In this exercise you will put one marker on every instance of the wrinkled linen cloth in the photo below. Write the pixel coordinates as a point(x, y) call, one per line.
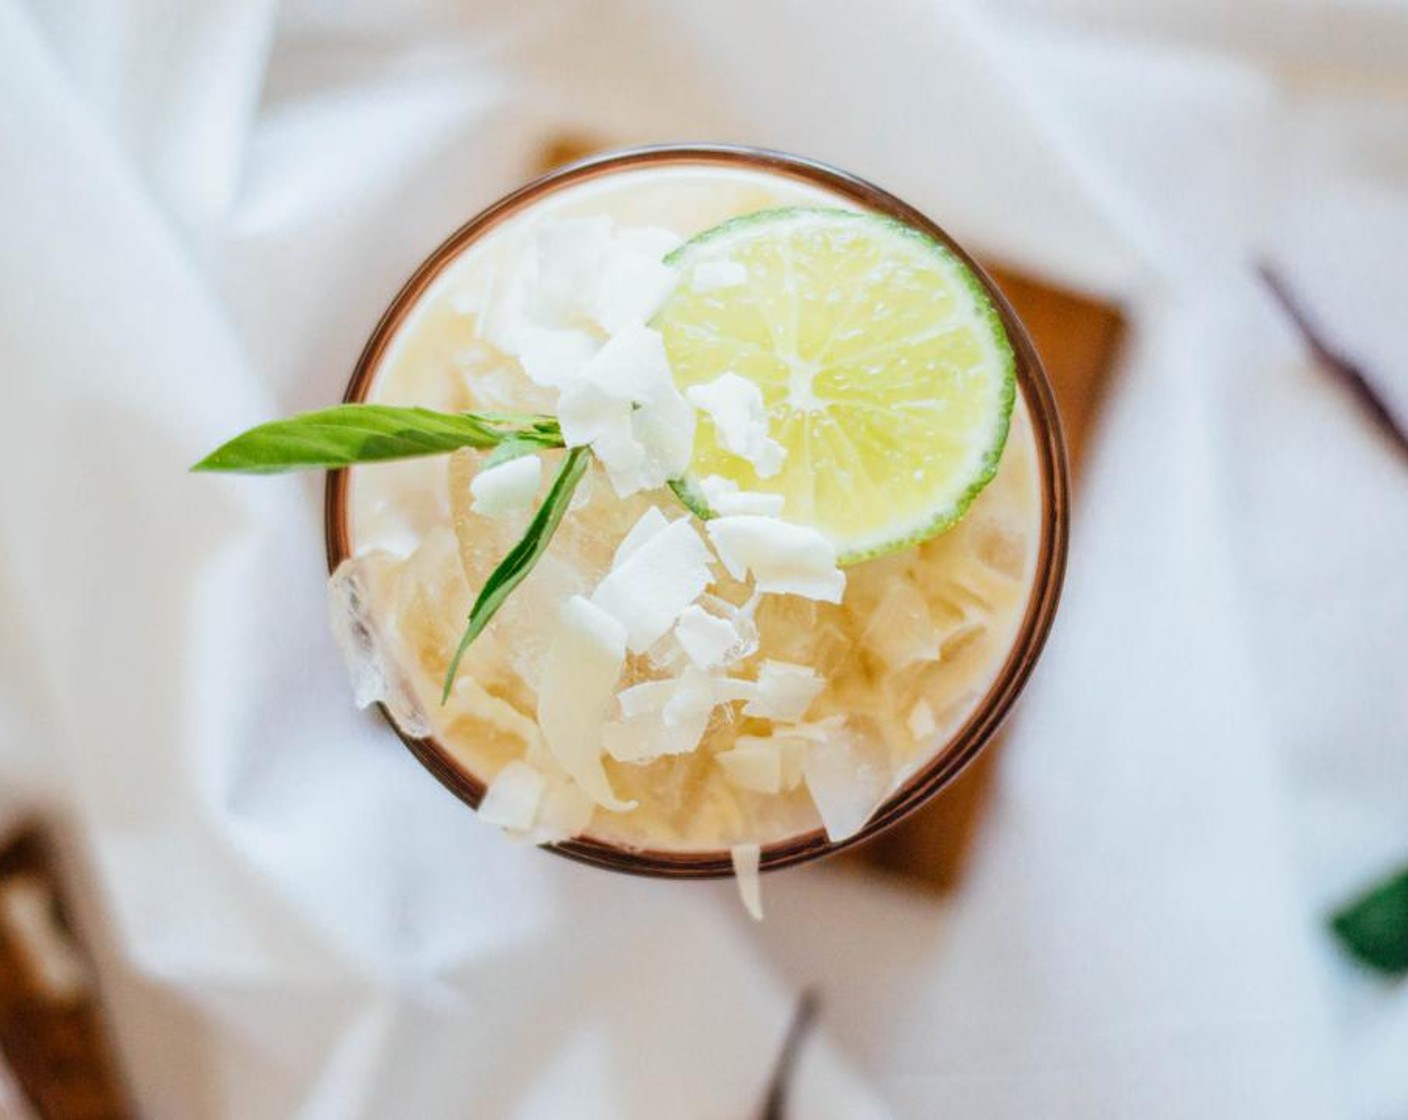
point(203, 209)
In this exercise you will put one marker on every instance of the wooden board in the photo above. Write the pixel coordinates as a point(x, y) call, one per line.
point(51, 1030)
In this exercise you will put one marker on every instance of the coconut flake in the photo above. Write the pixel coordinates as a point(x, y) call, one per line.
point(505, 305)
point(847, 780)
point(512, 799)
point(752, 763)
point(650, 523)
point(735, 405)
point(785, 559)
point(589, 417)
point(565, 811)
point(706, 639)
point(792, 754)
point(648, 737)
point(631, 366)
point(921, 721)
point(469, 288)
point(785, 691)
point(669, 717)
point(724, 498)
point(711, 276)
point(541, 283)
point(656, 581)
point(624, 404)
point(569, 256)
point(507, 487)
point(634, 279)
point(576, 690)
point(695, 696)
point(554, 357)
point(746, 861)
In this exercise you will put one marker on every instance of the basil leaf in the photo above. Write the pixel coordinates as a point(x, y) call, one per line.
point(514, 567)
point(1374, 927)
point(369, 433)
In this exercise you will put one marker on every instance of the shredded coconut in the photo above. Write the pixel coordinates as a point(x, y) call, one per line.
point(651, 522)
point(753, 764)
point(746, 861)
point(507, 487)
point(575, 694)
point(711, 276)
point(785, 691)
point(634, 280)
point(724, 498)
point(625, 406)
point(735, 405)
point(565, 812)
point(512, 799)
point(921, 721)
point(706, 639)
point(554, 357)
point(655, 582)
point(784, 558)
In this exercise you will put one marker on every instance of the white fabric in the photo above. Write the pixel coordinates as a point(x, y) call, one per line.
point(202, 212)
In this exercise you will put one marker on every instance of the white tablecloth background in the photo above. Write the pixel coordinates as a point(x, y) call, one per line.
point(203, 208)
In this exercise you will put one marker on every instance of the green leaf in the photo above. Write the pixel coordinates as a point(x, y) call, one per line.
point(514, 567)
point(510, 449)
point(1374, 927)
point(369, 433)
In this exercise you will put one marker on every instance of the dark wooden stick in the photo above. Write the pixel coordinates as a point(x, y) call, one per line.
point(775, 1103)
point(1334, 363)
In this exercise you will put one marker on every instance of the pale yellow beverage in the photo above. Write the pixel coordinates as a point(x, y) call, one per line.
point(913, 646)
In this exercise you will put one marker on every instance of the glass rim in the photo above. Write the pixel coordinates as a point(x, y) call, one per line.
point(986, 716)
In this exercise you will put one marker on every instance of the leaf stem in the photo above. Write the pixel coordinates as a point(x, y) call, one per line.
point(513, 569)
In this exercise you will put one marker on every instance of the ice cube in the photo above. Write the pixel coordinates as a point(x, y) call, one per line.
point(901, 630)
point(848, 776)
point(357, 603)
point(1000, 544)
point(483, 541)
point(524, 625)
point(921, 721)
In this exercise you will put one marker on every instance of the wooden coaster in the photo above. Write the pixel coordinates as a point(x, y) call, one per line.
point(51, 1032)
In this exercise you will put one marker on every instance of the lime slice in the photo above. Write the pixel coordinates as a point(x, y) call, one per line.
point(883, 366)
